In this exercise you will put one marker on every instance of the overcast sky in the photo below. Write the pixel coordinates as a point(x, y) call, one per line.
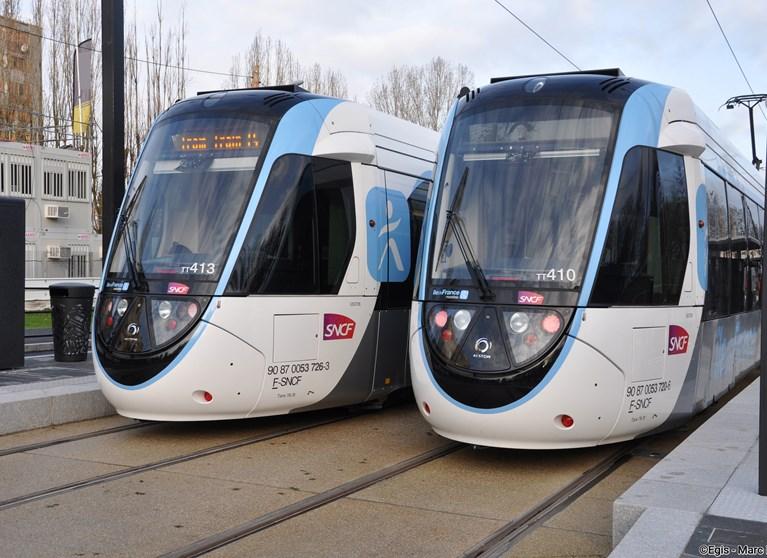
point(675, 42)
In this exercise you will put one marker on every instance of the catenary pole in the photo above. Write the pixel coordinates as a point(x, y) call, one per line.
point(113, 71)
point(750, 102)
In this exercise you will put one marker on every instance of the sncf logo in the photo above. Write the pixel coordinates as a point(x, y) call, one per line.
point(529, 297)
point(178, 288)
point(337, 326)
point(678, 340)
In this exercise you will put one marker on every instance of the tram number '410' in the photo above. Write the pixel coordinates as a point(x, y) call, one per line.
point(203, 268)
point(557, 275)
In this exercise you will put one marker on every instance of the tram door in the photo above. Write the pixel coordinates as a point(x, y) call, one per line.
point(400, 214)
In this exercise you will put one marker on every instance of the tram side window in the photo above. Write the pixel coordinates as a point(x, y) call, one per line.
point(718, 281)
point(302, 234)
point(335, 220)
point(739, 280)
point(648, 240)
point(755, 235)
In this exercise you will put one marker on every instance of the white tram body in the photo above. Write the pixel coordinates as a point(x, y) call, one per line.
point(591, 264)
point(263, 259)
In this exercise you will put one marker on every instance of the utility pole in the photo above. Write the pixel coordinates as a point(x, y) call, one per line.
point(113, 75)
point(750, 102)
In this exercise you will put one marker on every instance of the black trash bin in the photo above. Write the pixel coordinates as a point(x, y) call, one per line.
point(71, 306)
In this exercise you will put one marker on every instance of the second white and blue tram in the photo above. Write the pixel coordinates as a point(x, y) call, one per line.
point(591, 263)
point(263, 259)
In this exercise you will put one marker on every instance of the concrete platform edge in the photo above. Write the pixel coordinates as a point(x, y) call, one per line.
point(659, 513)
point(41, 404)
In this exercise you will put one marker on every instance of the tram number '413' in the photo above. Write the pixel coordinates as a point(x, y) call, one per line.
point(203, 268)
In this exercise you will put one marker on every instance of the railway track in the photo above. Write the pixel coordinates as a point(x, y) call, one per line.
point(74, 438)
point(301, 507)
point(495, 545)
point(130, 471)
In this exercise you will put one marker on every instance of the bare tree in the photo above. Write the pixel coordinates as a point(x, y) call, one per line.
point(11, 9)
point(272, 62)
point(154, 82)
point(421, 94)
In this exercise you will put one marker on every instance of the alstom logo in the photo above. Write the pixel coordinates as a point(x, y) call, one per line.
point(337, 326)
point(678, 340)
point(178, 288)
point(529, 297)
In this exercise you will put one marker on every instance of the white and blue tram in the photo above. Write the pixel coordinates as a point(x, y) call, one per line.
point(590, 264)
point(263, 259)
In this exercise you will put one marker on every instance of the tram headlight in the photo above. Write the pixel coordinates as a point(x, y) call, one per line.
point(171, 318)
point(446, 327)
point(461, 319)
point(532, 332)
point(122, 306)
point(519, 322)
point(164, 309)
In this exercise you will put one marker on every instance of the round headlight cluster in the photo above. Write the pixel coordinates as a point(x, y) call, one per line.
point(122, 307)
point(164, 309)
point(519, 322)
point(462, 319)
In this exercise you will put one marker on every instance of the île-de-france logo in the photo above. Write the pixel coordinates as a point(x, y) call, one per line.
point(337, 326)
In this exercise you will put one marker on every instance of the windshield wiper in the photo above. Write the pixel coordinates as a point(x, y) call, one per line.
point(134, 266)
point(464, 244)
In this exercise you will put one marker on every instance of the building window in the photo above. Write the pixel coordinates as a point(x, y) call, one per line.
point(53, 184)
point(78, 261)
point(78, 185)
point(21, 178)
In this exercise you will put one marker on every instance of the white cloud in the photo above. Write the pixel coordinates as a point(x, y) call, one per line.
point(677, 43)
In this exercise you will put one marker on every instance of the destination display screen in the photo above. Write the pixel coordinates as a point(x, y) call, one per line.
point(213, 141)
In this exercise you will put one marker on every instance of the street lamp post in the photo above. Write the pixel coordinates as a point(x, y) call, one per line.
point(750, 102)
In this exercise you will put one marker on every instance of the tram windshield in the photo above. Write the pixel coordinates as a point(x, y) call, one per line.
point(525, 183)
point(186, 200)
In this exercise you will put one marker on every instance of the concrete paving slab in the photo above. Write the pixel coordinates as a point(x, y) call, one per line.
point(144, 515)
point(322, 458)
point(61, 431)
point(546, 542)
point(738, 437)
point(365, 529)
point(658, 533)
point(672, 495)
point(489, 483)
point(699, 466)
point(585, 515)
point(740, 499)
point(169, 439)
point(23, 473)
